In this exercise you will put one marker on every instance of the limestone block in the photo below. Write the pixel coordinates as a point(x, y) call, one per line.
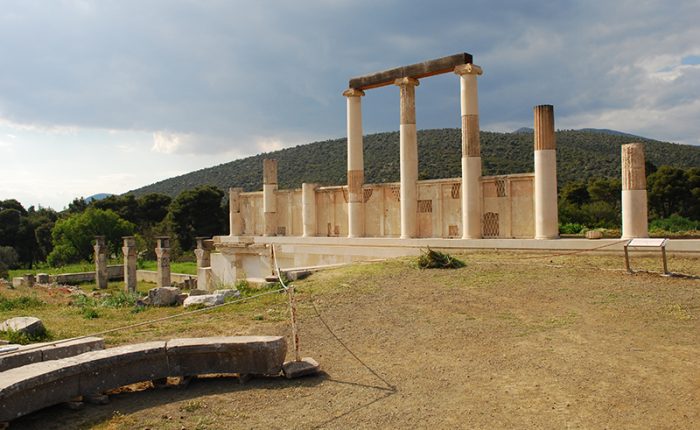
point(17, 281)
point(257, 355)
point(295, 369)
point(163, 296)
point(31, 326)
point(198, 292)
point(42, 278)
point(594, 234)
point(38, 352)
point(228, 293)
point(204, 300)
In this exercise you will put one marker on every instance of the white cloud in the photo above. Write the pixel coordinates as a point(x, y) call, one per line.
point(168, 143)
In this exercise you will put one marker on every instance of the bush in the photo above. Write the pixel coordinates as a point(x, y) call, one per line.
point(22, 338)
point(438, 260)
point(674, 224)
point(21, 302)
point(571, 228)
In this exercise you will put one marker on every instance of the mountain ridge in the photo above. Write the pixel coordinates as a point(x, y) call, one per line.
point(582, 154)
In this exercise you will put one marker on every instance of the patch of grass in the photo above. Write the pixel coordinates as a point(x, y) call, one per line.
point(192, 406)
point(678, 312)
point(22, 338)
point(432, 259)
point(21, 302)
point(186, 267)
point(90, 313)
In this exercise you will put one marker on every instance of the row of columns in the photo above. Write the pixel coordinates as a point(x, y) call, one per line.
point(129, 251)
point(545, 161)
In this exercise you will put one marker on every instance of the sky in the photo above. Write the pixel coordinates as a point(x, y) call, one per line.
point(108, 96)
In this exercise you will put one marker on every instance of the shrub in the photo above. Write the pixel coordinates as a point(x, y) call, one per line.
point(432, 259)
point(21, 302)
point(674, 224)
point(571, 228)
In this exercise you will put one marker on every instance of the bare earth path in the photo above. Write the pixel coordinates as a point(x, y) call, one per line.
point(510, 341)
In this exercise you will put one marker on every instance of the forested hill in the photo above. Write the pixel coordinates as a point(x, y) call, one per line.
point(581, 155)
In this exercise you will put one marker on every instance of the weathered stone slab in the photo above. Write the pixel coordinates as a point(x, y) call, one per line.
point(31, 326)
point(259, 355)
point(295, 369)
point(204, 300)
point(163, 296)
point(228, 293)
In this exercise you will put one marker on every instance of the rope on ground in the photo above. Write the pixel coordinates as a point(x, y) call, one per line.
point(290, 288)
point(153, 321)
point(580, 251)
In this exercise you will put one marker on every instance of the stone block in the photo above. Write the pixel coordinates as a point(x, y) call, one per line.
point(163, 296)
point(228, 293)
point(17, 281)
point(295, 369)
point(42, 278)
point(594, 234)
point(38, 352)
point(31, 326)
point(204, 300)
point(258, 355)
point(198, 292)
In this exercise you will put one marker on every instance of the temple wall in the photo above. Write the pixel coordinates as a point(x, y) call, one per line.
point(507, 209)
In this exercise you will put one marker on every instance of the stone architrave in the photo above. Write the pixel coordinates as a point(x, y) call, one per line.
point(471, 151)
point(163, 264)
point(270, 196)
point(308, 214)
point(129, 252)
point(408, 141)
point(235, 218)
point(100, 248)
point(356, 168)
point(634, 192)
point(546, 208)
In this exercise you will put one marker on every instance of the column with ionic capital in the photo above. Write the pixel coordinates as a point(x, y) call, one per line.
point(408, 142)
point(634, 192)
point(270, 196)
point(546, 208)
point(356, 166)
point(471, 151)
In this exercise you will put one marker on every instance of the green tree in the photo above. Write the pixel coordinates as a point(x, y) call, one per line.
point(197, 212)
point(8, 260)
point(153, 208)
point(669, 191)
point(125, 206)
point(575, 192)
point(73, 236)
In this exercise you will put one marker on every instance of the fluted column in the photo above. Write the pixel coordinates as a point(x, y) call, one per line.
point(270, 196)
point(129, 251)
point(471, 151)
point(234, 206)
point(356, 167)
point(308, 214)
point(546, 215)
point(408, 158)
point(100, 248)
point(634, 192)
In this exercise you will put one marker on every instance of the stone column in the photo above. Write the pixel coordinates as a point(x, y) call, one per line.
point(129, 251)
point(408, 158)
point(546, 209)
point(308, 214)
point(203, 254)
point(356, 167)
point(270, 196)
point(234, 205)
point(634, 192)
point(471, 151)
point(100, 248)
point(163, 255)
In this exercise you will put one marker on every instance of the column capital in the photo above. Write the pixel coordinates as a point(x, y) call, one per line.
point(468, 69)
point(406, 81)
point(353, 92)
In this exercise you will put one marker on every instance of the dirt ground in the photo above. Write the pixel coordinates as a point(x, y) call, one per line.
point(510, 341)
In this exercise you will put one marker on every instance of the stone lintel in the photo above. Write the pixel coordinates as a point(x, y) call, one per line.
point(417, 71)
point(406, 81)
point(468, 69)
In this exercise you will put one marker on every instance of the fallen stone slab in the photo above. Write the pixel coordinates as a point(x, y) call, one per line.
point(228, 293)
point(38, 352)
point(35, 386)
point(31, 326)
point(305, 367)
point(204, 300)
point(163, 296)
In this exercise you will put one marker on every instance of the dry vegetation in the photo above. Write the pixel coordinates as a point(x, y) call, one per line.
point(509, 341)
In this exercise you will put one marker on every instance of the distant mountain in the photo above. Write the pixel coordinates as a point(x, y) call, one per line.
point(99, 196)
point(608, 131)
point(580, 155)
point(524, 130)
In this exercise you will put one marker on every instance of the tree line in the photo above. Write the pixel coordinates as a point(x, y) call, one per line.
point(41, 235)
